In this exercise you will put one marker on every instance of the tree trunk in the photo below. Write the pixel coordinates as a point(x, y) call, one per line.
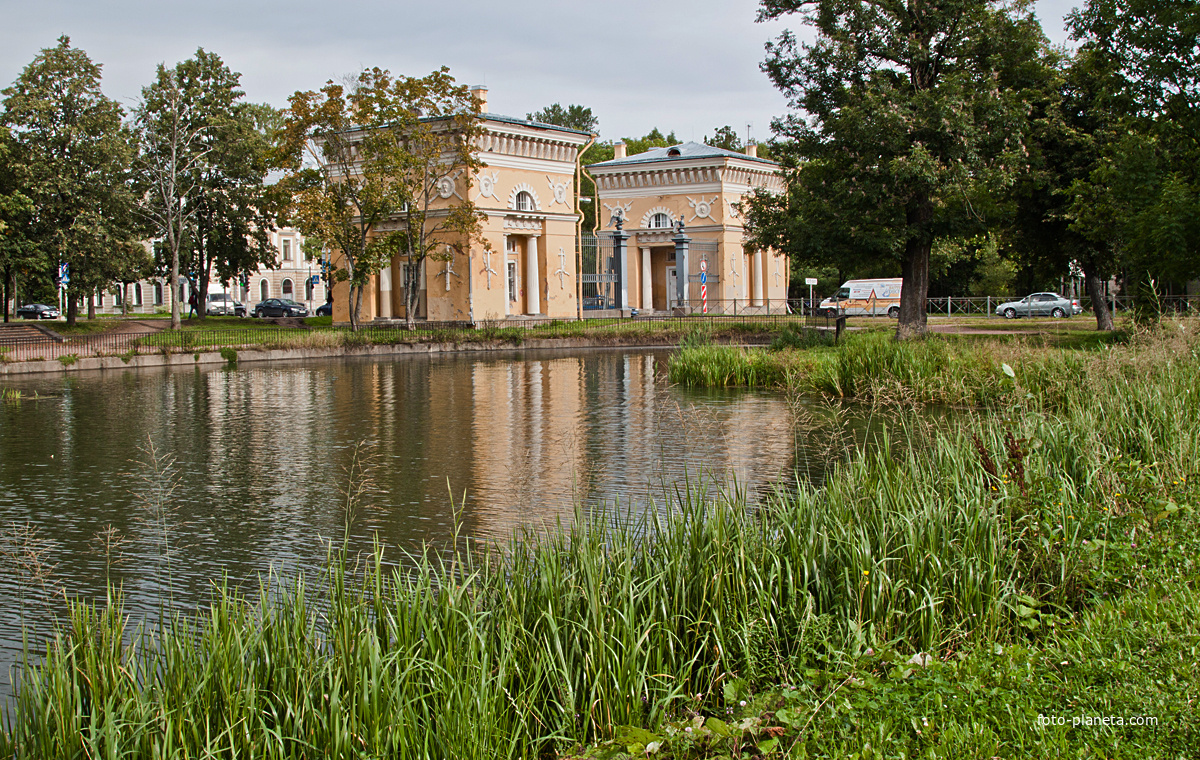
point(176, 322)
point(1095, 289)
point(7, 280)
point(915, 271)
point(411, 295)
point(355, 305)
point(72, 308)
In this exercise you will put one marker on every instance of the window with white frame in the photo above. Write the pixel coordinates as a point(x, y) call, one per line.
point(512, 281)
point(524, 201)
point(660, 221)
point(137, 294)
point(287, 249)
point(287, 288)
point(158, 294)
point(264, 290)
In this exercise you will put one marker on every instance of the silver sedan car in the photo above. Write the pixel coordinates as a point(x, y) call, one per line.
point(1039, 305)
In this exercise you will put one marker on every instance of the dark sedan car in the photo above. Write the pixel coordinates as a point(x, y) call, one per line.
point(37, 311)
point(325, 309)
point(280, 307)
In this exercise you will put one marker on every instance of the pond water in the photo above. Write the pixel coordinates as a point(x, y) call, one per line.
point(252, 464)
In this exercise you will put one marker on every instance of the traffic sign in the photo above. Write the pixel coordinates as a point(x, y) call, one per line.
point(810, 280)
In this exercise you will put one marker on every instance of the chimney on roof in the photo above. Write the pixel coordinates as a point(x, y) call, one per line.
point(752, 150)
point(480, 93)
point(618, 150)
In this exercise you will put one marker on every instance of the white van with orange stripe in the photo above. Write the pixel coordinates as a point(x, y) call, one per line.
point(865, 297)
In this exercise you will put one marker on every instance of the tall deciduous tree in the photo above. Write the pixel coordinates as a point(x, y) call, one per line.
point(20, 259)
point(1133, 100)
point(910, 119)
point(172, 151)
point(571, 117)
point(75, 158)
point(206, 155)
point(388, 149)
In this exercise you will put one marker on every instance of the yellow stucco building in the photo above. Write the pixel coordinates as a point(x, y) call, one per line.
point(701, 186)
point(526, 189)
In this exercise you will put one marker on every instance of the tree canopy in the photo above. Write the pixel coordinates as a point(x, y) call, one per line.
point(386, 149)
point(73, 156)
point(909, 119)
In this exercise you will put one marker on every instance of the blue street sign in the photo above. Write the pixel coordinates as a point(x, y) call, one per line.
point(64, 273)
point(315, 279)
point(703, 277)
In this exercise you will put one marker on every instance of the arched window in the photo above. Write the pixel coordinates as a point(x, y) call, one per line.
point(137, 294)
point(308, 289)
point(660, 221)
point(118, 296)
point(158, 294)
point(524, 201)
point(264, 290)
point(287, 288)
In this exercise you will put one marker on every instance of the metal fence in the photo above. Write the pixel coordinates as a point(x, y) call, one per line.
point(597, 279)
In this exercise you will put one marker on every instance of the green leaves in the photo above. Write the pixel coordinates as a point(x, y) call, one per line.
point(913, 125)
point(375, 152)
point(73, 156)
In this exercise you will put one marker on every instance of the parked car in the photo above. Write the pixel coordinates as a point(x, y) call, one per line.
point(37, 311)
point(325, 309)
point(221, 304)
point(1039, 305)
point(280, 307)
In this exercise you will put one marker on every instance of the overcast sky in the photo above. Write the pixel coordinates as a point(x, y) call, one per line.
point(683, 65)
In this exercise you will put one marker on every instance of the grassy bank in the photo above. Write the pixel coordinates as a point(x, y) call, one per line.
point(963, 370)
point(937, 595)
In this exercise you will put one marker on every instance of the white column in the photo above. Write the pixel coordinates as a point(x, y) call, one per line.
point(756, 297)
point(533, 284)
point(647, 292)
point(385, 292)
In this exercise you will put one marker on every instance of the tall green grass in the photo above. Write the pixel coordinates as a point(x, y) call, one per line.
point(873, 366)
point(987, 529)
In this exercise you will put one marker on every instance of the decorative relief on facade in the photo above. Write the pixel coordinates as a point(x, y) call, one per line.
point(516, 201)
point(778, 273)
point(649, 218)
point(735, 209)
point(560, 190)
point(519, 223)
point(487, 267)
point(487, 185)
point(702, 209)
point(448, 185)
point(449, 270)
point(562, 268)
point(618, 211)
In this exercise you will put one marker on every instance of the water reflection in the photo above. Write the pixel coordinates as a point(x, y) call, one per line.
point(253, 463)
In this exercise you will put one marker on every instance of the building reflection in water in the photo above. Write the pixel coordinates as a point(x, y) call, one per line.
point(494, 442)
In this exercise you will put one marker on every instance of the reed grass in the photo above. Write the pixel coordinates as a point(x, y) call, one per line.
point(989, 529)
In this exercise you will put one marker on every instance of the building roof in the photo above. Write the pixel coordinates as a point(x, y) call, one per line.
point(682, 151)
point(528, 123)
